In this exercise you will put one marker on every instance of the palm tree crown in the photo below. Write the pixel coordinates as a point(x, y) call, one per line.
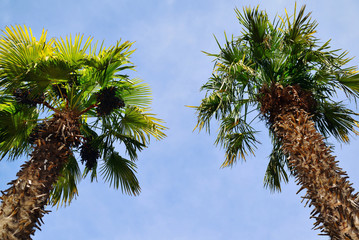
point(281, 53)
point(75, 78)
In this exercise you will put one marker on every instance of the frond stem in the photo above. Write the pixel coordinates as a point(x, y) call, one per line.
point(88, 108)
point(49, 106)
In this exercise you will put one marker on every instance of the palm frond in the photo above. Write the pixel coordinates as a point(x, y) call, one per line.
point(136, 93)
point(333, 118)
point(16, 123)
point(349, 83)
point(19, 54)
point(140, 124)
point(237, 138)
point(107, 64)
point(255, 24)
point(277, 168)
point(300, 27)
point(72, 49)
point(65, 189)
point(120, 172)
point(209, 107)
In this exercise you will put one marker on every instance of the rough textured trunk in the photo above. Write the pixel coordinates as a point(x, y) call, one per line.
point(336, 209)
point(23, 204)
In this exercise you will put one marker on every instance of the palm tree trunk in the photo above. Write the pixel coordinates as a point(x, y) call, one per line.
point(336, 208)
point(23, 204)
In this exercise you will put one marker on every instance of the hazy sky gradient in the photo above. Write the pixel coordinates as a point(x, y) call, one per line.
point(185, 195)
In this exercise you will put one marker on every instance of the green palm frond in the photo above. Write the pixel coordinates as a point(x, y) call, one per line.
point(65, 189)
point(112, 133)
point(108, 63)
point(255, 24)
point(349, 82)
point(333, 118)
point(277, 168)
point(299, 28)
point(120, 172)
point(92, 172)
point(16, 123)
point(140, 124)
point(237, 138)
point(209, 107)
point(136, 93)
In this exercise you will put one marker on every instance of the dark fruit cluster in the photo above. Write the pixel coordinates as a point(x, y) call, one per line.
point(89, 154)
point(25, 96)
point(108, 101)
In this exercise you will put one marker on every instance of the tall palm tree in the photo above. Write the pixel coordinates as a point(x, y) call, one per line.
point(64, 100)
point(280, 73)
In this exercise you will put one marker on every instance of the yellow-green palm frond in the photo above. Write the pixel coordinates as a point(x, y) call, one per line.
point(141, 125)
point(72, 50)
point(136, 93)
point(20, 53)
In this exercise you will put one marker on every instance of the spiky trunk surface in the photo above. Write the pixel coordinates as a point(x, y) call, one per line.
point(336, 208)
point(23, 204)
point(315, 169)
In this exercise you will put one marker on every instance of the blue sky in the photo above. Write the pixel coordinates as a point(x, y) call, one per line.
point(185, 195)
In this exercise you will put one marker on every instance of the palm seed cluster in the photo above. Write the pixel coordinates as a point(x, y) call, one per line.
point(89, 154)
point(108, 101)
point(28, 97)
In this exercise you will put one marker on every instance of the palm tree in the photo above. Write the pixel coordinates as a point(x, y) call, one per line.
point(280, 73)
point(63, 100)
